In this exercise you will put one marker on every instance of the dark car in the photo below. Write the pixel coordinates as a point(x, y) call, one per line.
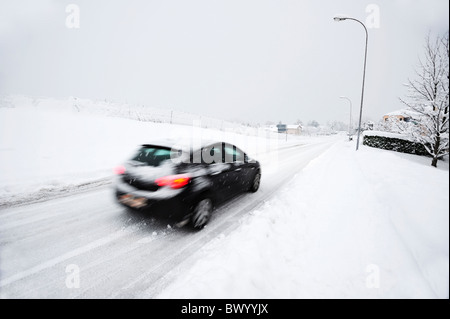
point(183, 181)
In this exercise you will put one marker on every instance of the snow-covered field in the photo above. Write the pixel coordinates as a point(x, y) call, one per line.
point(366, 224)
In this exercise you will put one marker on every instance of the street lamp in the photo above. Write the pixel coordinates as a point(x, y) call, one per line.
point(341, 18)
point(350, 120)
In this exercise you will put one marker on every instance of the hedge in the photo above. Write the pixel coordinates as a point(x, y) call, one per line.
point(395, 144)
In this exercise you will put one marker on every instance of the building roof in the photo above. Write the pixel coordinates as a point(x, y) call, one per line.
point(404, 113)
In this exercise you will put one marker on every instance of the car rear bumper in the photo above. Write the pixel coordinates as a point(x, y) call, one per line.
point(167, 202)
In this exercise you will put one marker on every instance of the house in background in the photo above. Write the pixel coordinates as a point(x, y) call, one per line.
point(403, 115)
point(295, 129)
point(401, 120)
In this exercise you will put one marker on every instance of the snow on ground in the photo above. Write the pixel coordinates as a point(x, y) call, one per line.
point(366, 224)
point(50, 146)
point(363, 224)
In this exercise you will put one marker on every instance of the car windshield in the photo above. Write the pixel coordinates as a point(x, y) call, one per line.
point(154, 155)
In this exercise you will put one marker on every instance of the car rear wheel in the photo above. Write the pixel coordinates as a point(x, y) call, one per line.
point(202, 213)
point(254, 186)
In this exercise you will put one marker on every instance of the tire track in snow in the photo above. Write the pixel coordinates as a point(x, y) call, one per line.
point(71, 254)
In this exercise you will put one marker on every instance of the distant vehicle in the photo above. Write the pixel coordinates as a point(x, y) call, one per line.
point(186, 182)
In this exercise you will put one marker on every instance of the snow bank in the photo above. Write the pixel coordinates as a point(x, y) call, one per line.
point(366, 224)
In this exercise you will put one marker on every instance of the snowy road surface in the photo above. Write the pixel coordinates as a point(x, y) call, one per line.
point(87, 246)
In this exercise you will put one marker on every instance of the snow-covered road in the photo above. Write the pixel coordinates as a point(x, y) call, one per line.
point(46, 247)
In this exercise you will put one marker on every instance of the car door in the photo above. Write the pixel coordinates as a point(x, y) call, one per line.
point(238, 175)
point(218, 171)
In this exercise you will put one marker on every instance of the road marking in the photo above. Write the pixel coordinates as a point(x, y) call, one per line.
point(52, 262)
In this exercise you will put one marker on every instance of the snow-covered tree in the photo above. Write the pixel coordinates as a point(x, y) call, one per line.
point(398, 125)
point(313, 123)
point(428, 96)
point(338, 126)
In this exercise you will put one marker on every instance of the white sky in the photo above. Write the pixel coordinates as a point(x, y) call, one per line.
point(253, 60)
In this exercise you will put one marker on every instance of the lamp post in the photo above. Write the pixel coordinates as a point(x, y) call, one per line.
point(337, 19)
point(350, 120)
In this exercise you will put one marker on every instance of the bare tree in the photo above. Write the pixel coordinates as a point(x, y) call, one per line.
point(428, 96)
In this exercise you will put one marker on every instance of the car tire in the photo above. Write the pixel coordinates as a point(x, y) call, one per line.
point(202, 213)
point(256, 181)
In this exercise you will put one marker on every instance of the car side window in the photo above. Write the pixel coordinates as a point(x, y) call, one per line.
point(239, 155)
point(233, 154)
point(229, 153)
point(212, 154)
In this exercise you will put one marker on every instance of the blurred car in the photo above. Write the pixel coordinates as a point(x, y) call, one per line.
point(185, 182)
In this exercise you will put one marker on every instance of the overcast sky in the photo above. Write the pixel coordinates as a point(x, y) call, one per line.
point(253, 60)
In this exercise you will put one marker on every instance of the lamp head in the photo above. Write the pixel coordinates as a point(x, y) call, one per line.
point(339, 18)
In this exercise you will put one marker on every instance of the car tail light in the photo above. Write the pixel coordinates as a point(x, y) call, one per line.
point(174, 181)
point(119, 170)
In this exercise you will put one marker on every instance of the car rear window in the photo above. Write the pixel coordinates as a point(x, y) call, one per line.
point(154, 156)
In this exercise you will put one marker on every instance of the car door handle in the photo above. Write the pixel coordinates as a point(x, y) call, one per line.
point(238, 169)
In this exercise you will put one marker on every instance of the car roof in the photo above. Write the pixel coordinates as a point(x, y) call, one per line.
point(183, 143)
